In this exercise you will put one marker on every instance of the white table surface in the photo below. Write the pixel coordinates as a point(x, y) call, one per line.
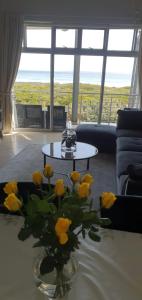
point(108, 270)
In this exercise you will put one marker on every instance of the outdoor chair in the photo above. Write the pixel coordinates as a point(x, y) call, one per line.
point(59, 117)
point(29, 116)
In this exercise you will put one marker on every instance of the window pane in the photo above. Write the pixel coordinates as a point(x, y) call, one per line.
point(117, 86)
point(92, 39)
point(90, 84)
point(32, 84)
point(63, 82)
point(39, 37)
point(119, 71)
point(120, 39)
point(65, 38)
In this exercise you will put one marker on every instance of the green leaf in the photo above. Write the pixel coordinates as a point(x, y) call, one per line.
point(93, 236)
point(105, 221)
point(90, 218)
point(47, 265)
point(43, 206)
point(31, 207)
point(24, 233)
point(38, 244)
point(83, 233)
point(73, 212)
point(38, 226)
point(94, 229)
point(35, 197)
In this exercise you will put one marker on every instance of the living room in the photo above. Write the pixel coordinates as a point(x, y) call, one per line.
point(109, 269)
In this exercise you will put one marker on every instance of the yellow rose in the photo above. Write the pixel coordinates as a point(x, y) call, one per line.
point(59, 188)
point(37, 178)
point(48, 171)
point(83, 190)
point(63, 238)
point(11, 187)
point(62, 225)
point(12, 203)
point(87, 178)
point(107, 199)
point(75, 176)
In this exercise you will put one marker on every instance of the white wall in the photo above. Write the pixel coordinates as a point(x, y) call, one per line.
point(81, 11)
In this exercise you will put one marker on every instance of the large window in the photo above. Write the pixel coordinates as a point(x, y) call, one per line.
point(63, 82)
point(117, 86)
point(90, 88)
point(86, 71)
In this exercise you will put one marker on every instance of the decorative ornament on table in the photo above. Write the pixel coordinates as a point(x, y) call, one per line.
point(68, 143)
point(57, 217)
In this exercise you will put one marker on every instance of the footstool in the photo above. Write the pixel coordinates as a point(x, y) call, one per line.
point(101, 136)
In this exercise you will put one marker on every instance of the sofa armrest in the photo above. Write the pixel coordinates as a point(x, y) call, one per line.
point(129, 119)
point(125, 214)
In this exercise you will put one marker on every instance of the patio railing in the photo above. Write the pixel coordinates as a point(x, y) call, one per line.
point(88, 104)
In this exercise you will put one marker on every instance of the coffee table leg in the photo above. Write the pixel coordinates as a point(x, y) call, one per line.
point(73, 164)
point(44, 160)
point(88, 161)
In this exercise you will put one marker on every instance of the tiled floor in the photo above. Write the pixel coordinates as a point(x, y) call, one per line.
point(12, 144)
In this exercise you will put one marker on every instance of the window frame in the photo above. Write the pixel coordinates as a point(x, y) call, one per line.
point(77, 51)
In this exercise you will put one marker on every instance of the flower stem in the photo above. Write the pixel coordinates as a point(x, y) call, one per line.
point(62, 285)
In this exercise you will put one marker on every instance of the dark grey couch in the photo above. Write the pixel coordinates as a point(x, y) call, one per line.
point(128, 147)
point(126, 213)
point(126, 141)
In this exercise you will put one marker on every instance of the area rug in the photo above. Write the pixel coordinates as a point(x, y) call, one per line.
point(21, 167)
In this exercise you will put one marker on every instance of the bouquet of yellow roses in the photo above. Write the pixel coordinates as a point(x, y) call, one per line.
point(56, 215)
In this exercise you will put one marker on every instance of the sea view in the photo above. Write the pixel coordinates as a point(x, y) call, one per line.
point(112, 79)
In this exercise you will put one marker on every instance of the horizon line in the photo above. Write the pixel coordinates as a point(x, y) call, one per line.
point(72, 72)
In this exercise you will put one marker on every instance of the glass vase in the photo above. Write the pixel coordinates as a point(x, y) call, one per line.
point(57, 283)
point(69, 138)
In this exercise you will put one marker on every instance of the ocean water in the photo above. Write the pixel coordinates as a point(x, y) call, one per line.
point(112, 79)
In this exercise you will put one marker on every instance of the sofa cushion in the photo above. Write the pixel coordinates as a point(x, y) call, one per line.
point(125, 158)
point(129, 119)
point(128, 133)
point(129, 144)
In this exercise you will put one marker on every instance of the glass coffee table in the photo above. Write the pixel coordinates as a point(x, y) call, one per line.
point(83, 152)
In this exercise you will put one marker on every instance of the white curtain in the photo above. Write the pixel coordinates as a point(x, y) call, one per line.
point(11, 33)
point(140, 72)
point(135, 98)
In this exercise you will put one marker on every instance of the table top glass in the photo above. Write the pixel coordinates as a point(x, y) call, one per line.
point(83, 151)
